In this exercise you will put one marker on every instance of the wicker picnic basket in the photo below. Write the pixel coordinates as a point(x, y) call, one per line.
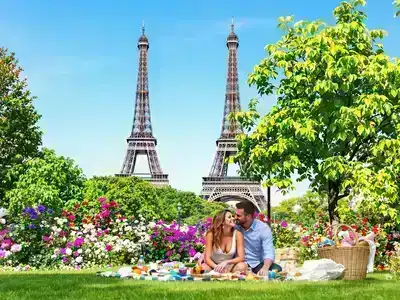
point(354, 259)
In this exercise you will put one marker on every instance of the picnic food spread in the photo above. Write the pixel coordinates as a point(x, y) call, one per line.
point(176, 271)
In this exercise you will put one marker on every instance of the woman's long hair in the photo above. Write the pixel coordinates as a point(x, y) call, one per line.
point(216, 227)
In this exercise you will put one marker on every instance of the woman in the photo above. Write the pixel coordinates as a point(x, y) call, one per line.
point(224, 245)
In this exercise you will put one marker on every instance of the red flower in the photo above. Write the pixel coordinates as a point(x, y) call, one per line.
point(345, 228)
point(76, 206)
point(365, 220)
point(84, 203)
point(71, 218)
point(113, 204)
point(375, 229)
point(108, 247)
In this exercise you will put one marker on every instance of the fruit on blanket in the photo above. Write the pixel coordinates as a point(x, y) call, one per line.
point(137, 271)
point(196, 270)
point(250, 276)
point(190, 265)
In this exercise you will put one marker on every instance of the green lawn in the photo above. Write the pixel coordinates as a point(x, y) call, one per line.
point(82, 285)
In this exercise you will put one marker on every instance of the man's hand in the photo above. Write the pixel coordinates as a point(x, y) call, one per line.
point(263, 271)
point(221, 267)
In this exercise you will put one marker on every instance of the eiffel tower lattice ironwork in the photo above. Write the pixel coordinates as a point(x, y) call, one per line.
point(141, 141)
point(218, 186)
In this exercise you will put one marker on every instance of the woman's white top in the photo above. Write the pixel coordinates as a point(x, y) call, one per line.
point(219, 256)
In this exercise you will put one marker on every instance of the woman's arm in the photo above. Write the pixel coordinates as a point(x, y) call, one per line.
point(239, 249)
point(209, 246)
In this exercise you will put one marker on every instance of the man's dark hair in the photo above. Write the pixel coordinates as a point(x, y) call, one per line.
point(247, 206)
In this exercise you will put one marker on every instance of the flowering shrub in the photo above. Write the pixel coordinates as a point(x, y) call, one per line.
point(394, 261)
point(284, 235)
point(8, 247)
point(75, 239)
point(173, 242)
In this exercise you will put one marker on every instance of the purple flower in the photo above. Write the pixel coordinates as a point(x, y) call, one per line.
point(169, 253)
point(31, 226)
point(50, 211)
point(29, 210)
point(41, 208)
point(69, 245)
point(65, 260)
point(284, 224)
point(2, 253)
point(46, 238)
point(62, 251)
point(78, 242)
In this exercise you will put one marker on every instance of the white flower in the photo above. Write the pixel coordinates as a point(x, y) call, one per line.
point(79, 259)
point(80, 251)
point(2, 221)
point(3, 212)
point(68, 251)
point(16, 248)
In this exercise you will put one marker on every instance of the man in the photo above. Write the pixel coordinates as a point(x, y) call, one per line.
point(258, 242)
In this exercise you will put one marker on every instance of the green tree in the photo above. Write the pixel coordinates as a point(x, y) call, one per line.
point(136, 196)
point(304, 209)
point(49, 179)
point(20, 136)
point(336, 121)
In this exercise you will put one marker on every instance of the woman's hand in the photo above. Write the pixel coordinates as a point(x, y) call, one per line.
point(221, 267)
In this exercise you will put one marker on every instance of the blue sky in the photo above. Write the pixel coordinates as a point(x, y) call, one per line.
point(80, 58)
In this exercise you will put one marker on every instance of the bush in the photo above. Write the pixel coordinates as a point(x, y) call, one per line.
point(172, 242)
point(49, 180)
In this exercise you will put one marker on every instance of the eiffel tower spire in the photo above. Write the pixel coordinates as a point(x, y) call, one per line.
point(230, 128)
point(141, 140)
point(218, 186)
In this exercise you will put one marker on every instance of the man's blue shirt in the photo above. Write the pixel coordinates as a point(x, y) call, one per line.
point(258, 243)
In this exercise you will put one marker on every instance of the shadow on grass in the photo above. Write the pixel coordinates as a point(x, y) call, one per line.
point(88, 286)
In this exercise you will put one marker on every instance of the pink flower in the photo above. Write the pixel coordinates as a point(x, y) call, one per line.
point(46, 238)
point(78, 242)
point(192, 252)
point(105, 214)
point(284, 224)
point(108, 248)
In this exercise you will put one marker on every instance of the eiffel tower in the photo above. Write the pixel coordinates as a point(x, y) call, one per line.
point(141, 141)
point(218, 186)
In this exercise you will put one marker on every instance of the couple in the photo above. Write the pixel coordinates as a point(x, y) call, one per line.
point(231, 247)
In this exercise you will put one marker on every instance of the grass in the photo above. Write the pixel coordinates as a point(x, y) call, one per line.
point(84, 285)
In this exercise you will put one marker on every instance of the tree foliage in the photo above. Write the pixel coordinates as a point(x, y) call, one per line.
point(336, 121)
point(48, 179)
point(20, 136)
point(396, 4)
point(137, 196)
point(304, 209)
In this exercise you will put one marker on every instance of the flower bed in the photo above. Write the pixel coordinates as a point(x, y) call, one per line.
point(85, 237)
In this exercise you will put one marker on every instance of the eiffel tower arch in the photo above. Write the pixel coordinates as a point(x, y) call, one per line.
point(218, 186)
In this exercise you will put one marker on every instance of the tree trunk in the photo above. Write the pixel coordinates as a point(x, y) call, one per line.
point(333, 193)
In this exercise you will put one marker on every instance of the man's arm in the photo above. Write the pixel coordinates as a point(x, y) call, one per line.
point(268, 250)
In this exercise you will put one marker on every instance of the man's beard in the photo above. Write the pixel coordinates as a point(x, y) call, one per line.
point(239, 223)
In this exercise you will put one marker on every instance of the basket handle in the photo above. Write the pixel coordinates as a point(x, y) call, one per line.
point(335, 231)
